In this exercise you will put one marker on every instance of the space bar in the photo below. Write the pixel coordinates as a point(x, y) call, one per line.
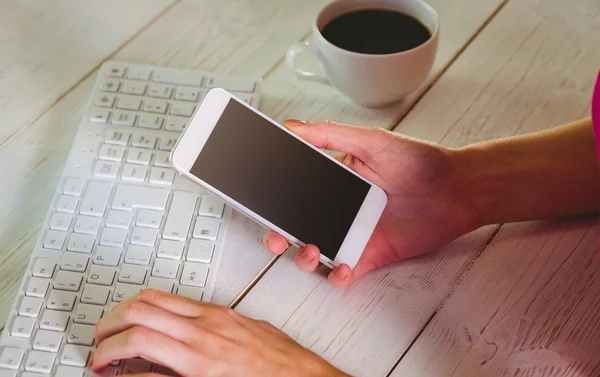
point(129, 197)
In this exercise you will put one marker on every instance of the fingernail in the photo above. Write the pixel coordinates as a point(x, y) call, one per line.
point(340, 274)
point(305, 255)
point(293, 123)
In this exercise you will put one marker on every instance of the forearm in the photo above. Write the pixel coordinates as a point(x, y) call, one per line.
point(553, 173)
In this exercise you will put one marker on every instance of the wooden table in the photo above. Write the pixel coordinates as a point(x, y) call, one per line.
point(505, 300)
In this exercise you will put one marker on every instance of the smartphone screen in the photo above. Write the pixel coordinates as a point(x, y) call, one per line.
point(278, 177)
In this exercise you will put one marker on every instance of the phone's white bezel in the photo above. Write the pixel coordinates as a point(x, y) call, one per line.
point(196, 134)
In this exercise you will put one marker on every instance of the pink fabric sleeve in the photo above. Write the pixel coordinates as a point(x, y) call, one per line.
point(596, 113)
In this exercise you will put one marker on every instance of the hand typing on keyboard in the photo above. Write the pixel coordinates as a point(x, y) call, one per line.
point(200, 339)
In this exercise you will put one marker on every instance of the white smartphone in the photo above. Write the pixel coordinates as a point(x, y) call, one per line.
point(273, 176)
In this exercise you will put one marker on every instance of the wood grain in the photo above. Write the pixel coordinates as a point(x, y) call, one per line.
point(529, 306)
point(47, 47)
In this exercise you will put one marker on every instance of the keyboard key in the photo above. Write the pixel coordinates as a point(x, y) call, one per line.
point(162, 176)
point(134, 173)
point(160, 91)
point(136, 366)
point(129, 103)
point(211, 206)
point(175, 77)
point(132, 274)
point(61, 300)
point(11, 357)
point(9, 373)
point(194, 274)
point(139, 255)
point(30, 307)
point(95, 294)
point(69, 371)
point(167, 143)
point(74, 262)
point(37, 287)
point(101, 275)
point(77, 356)
point(54, 320)
point(180, 216)
point(60, 221)
point(81, 243)
point(151, 121)
point(206, 228)
point(149, 219)
point(123, 118)
point(130, 197)
point(113, 237)
point(139, 156)
point(143, 236)
point(87, 225)
point(113, 69)
point(162, 159)
point(200, 251)
point(170, 249)
point(40, 362)
point(191, 292)
point(176, 124)
point(47, 341)
point(161, 284)
point(165, 268)
point(22, 327)
point(43, 268)
point(66, 204)
point(88, 314)
point(133, 87)
point(234, 84)
point(107, 256)
point(68, 281)
point(104, 100)
point(118, 219)
point(144, 141)
point(99, 115)
point(182, 109)
point(155, 106)
point(107, 372)
point(81, 334)
point(138, 73)
point(111, 152)
point(73, 186)
point(117, 137)
point(124, 291)
point(95, 199)
point(106, 169)
point(54, 240)
point(183, 93)
point(109, 85)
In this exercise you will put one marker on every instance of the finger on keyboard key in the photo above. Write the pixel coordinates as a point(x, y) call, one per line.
point(134, 173)
point(54, 320)
point(206, 228)
point(162, 176)
point(75, 262)
point(117, 137)
point(99, 115)
point(157, 106)
point(143, 236)
point(61, 300)
point(139, 255)
point(118, 219)
point(182, 109)
point(95, 294)
point(151, 121)
point(110, 152)
point(69, 371)
point(73, 186)
point(123, 118)
point(22, 327)
point(165, 268)
point(133, 87)
point(37, 287)
point(180, 216)
point(113, 237)
point(160, 91)
point(54, 240)
point(149, 219)
point(161, 284)
point(81, 243)
point(200, 251)
point(144, 141)
point(124, 291)
point(43, 268)
point(61, 221)
point(75, 355)
point(101, 275)
point(68, 281)
point(104, 100)
point(88, 314)
point(162, 159)
point(48, 341)
point(130, 197)
point(176, 123)
point(170, 249)
point(11, 357)
point(191, 292)
point(211, 206)
point(194, 274)
point(66, 204)
point(81, 334)
point(136, 366)
point(87, 225)
point(95, 199)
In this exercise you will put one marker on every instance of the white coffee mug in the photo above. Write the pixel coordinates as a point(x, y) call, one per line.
point(368, 79)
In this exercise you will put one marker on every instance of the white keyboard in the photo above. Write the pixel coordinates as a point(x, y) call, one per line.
point(121, 220)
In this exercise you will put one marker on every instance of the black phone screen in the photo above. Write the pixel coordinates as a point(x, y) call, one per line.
point(278, 177)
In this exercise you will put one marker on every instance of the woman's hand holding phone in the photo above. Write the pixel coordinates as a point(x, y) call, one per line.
point(428, 199)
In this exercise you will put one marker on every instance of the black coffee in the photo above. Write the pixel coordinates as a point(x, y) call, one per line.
point(376, 31)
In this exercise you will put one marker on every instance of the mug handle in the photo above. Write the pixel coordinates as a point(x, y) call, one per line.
point(296, 49)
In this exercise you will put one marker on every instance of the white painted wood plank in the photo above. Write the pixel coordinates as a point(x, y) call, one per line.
point(47, 47)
